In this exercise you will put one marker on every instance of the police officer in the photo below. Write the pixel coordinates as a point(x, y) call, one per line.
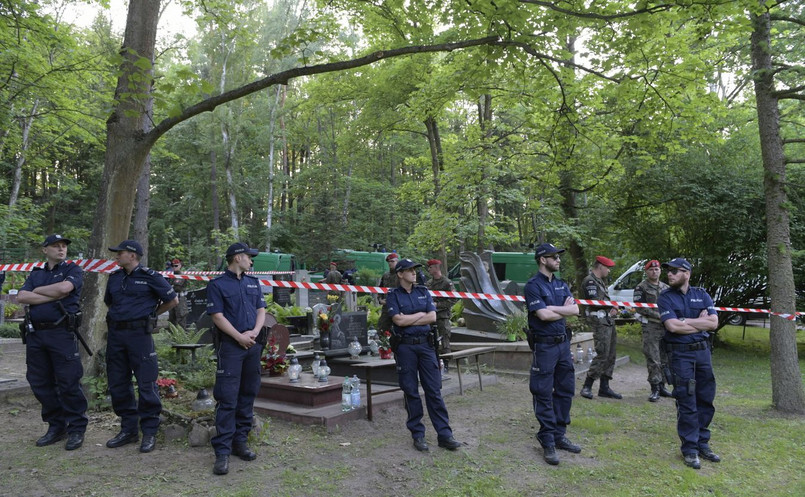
point(235, 304)
point(54, 365)
point(412, 311)
point(178, 315)
point(647, 292)
point(444, 305)
point(605, 338)
point(388, 280)
point(687, 312)
point(135, 295)
point(552, 381)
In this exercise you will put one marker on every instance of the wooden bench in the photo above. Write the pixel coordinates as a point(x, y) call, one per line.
point(368, 367)
point(460, 354)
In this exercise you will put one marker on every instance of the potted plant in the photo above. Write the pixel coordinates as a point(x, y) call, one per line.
point(385, 346)
point(514, 326)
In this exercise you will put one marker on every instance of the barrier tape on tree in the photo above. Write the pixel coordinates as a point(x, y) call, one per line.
point(107, 266)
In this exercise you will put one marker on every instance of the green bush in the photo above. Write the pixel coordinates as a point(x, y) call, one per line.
point(634, 330)
point(10, 330)
point(10, 309)
point(366, 277)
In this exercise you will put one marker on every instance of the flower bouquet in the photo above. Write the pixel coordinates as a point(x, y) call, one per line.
point(383, 339)
point(273, 361)
point(167, 388)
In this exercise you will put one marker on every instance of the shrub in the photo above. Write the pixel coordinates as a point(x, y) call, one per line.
point(10, 330)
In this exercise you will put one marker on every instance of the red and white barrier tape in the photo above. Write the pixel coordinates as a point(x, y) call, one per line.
point(107, 266)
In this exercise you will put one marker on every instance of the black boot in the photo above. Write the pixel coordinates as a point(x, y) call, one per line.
point(663, 391)
point(605, 391)
point(587, 389)
point(655, 393)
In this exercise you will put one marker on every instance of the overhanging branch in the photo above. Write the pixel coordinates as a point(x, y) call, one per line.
point(283, 77)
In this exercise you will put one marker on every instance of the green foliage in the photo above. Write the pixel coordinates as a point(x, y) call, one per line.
point(457, 310)
point(9, 330)
point(97, 388)
point(367, 277)
point(514, 326)
point(179, 335)
point(10, 309)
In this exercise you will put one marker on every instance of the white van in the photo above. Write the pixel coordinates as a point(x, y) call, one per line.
point(622, 290)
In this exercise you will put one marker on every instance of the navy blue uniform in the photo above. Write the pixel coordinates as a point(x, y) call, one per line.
point(416, 362)
point(691, 366)
point(54, 364)
point(552, 381)
point(132, 299)
point(237, 380)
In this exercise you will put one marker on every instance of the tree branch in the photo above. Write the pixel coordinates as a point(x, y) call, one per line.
point(600, 17)
point(779, 17)
point(283, 77)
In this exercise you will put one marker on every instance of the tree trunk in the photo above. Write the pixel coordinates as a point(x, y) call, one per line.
point(126, 151)
point(270, 199)
point(786, 379)
point(25, 124)
point(142, 203)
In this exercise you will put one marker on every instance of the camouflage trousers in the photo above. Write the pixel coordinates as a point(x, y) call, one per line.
point(443, 328)
point(656, 358)
point(605, 339)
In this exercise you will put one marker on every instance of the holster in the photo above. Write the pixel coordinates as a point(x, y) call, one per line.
point(26, 327)
point(529, 337)
point(152, 322)
point(394, 342)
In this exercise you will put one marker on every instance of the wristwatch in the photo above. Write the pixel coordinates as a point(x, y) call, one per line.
point(682, 319)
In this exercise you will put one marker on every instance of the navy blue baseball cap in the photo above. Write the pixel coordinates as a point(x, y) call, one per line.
point(55, 238)
point(678, 263)
point(240, 248)
point(129, 246)
point(544, 249)
point(404, 264)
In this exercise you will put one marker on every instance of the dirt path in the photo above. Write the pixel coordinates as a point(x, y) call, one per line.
point(293, 460)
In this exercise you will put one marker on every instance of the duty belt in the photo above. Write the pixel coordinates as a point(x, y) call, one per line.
point(550, 339)
point(409, 340)
point(42, 325)
point(669, 347)
point(128, 325)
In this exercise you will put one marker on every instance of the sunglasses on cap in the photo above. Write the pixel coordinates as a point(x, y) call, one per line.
point(555, 257)
point(674, 270)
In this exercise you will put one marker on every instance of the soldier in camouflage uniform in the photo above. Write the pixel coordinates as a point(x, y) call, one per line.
point(601, 321)
point(647, 292)
point(444, 305)
point(388, 280)
point(178, 314)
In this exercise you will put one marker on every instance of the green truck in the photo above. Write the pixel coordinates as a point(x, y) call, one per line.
point(274, 261)
point(509, 266)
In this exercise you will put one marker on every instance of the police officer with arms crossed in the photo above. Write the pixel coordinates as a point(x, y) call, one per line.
point(687, 312)
point(412, 311)
point(235, 304)
point(647, 292)
point(135, 295)
point(552, 382)
point(54, 364)
point(605, 338)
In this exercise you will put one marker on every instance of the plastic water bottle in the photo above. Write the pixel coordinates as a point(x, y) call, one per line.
point(346, 394)
point(579, 354)
point(356, 392)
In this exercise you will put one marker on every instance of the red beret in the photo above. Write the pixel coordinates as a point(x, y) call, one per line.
point(333, 263)
point(392, 257)
point(652, 263)
point(604, 261)
point(176, 261)
point(434, 262)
